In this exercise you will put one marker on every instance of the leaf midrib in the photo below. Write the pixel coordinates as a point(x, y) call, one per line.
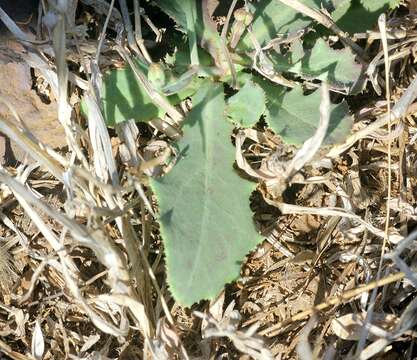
point(203, 227)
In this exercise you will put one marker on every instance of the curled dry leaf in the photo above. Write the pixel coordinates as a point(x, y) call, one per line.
point(349, 326)
point(7, 267)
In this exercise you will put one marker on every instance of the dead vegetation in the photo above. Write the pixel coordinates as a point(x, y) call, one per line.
point(82, 272)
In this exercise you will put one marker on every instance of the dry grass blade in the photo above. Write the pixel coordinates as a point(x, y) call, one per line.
point(325, 20)
point(38, 151)
point(58, 19)
point(294, 209)
point(404, 107)
point(105, 251)
point(370, 310)
point(303, 347)
point(245, 342)
point(156, 97)
point(104, 164)
point(312, 145)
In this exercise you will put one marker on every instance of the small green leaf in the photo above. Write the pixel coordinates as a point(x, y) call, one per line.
point(206, 222)
point(180, 59)
point(337, 67)
point(295, 116)
point(183, 87)
point(246, 107)
point(123, 98)
point(189, 15)
point(359, 15)
point(156, 76)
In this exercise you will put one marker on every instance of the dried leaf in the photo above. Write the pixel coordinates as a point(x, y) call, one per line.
point(38, 344)
point(349, 326)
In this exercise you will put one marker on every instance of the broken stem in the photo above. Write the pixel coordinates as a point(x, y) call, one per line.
point(325, 20)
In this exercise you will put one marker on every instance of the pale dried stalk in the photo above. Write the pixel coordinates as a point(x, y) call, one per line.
point(323, 19)
point(244, 341)
point(402, 108)
point(7, 350)
point(303, 155)
point(154, 95)
point(15, 30)
point(64, 108)
point(129, 30)
point(313, 144)
point(264, 66)
point(27, 200)
point(138, 11)
point(103, 32)
point(45, 156)
point(139, 270)
point(105, 251)
point(37, 150)
point(128, 132)
point(370, 310)
point(371, 71)
point(166, 128)
point(104, 163)
point(383, 30)
point(329, 211)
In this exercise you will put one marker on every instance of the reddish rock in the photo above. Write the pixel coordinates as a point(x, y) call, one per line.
point(40, 118)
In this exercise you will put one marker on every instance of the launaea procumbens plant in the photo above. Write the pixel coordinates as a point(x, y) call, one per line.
point(266, 64)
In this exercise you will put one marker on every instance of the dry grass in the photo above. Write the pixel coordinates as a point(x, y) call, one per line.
point(82, 272)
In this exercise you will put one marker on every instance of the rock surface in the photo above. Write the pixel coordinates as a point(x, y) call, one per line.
point(17, 88)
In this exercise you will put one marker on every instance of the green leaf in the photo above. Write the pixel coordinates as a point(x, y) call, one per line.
point(246, 107)
point(337, 67)
point(176, 10)
point(295, 117)
point(359, 15)
point(123, 98)
point(189, 15)
point(157, 76)
point(206, 222)
point(180, 58)
point(272, 18)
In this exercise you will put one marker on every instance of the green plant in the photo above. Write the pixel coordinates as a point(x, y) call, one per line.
point(206, 222)
point(205, 216)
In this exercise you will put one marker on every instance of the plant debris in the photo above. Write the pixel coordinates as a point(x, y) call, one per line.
point(119, 125)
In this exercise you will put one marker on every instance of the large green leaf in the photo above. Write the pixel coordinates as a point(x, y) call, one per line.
point(359, 15)
point(337, 67)
point(206, 222)
point(272, 18)
point(295, 117)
